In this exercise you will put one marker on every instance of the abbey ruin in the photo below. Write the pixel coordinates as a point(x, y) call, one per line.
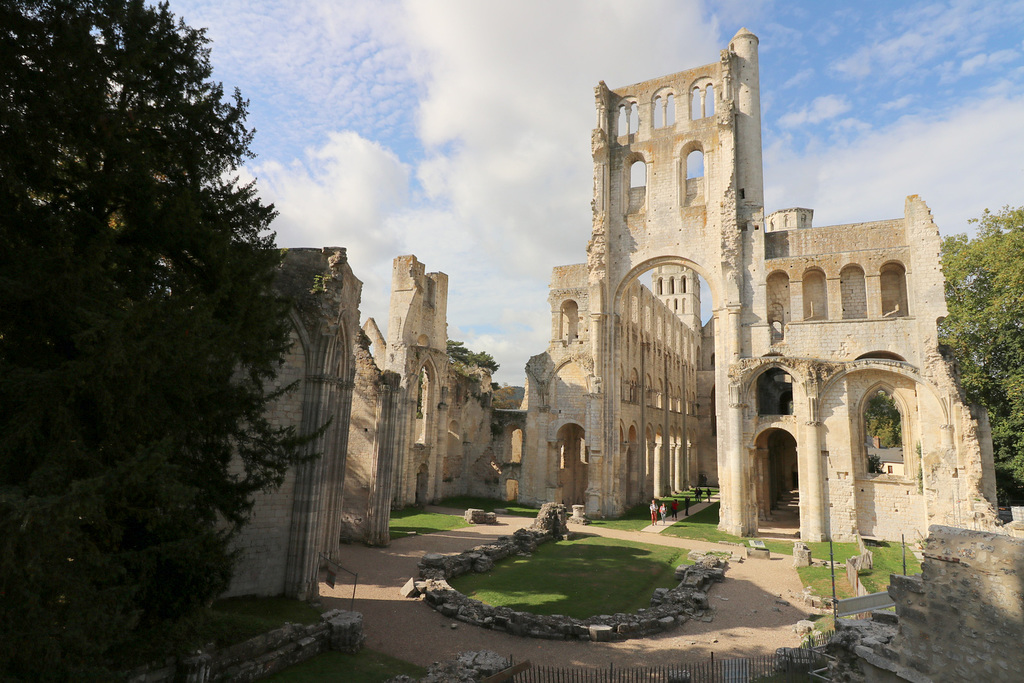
point(636, 396)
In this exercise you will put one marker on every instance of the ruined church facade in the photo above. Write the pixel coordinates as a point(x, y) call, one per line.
point(635, 397)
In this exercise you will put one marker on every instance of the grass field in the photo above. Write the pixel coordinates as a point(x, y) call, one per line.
point(414, 520)
point(336, 667)
point(888, 559)
point(580, 578)
point(638, 517)
point(488, 504)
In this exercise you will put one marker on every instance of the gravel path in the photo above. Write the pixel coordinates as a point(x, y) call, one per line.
point(747, 619)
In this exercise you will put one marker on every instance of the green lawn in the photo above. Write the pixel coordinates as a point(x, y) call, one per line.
point(335, 667)
point(888, 559)
point(488, 504)
point(634, 519)
point(820, 581)
point(638, 517)
point(590, 575)
point(413, 520)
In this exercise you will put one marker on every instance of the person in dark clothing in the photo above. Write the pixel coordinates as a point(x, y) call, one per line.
point(686, 509)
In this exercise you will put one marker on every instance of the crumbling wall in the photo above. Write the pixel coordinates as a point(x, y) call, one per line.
point(961, 619)
point(291, 524)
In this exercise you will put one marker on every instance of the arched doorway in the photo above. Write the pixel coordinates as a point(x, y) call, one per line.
point(634, 492)
point(572, 464)
point(777, 484)
point(422, 488)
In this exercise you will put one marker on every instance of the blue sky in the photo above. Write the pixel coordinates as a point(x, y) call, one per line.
point(459, 131)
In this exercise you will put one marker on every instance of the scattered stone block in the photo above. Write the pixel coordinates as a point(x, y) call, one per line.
point(409, 590)
point(759, 553)
point(801, 555)
point(803, 627)
point(600, 633)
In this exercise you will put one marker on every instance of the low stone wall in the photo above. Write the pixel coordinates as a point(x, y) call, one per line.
point(669, 607)
point(261, 656)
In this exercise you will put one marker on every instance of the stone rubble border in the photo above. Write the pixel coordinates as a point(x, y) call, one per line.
point(669, 607)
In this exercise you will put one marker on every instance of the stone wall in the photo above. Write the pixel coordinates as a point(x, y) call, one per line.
point(263, 655)
point(961, 619)
point(291, 524)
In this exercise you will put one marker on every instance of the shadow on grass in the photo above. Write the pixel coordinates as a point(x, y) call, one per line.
point(365, 667)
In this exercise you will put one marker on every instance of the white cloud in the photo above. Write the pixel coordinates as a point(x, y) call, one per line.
point(910, 41)
point(948, 161)
point(897, 104)
point(821, 109)
point(346, 193)
point(983, 60)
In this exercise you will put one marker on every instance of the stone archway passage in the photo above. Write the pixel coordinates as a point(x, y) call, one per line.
point(777, 486)
point(572, 464)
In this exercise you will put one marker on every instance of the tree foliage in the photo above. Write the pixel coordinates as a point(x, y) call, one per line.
point(985, 331)
point(137, 330)
point(459, 354)
point(882, 419)
point(506, 396)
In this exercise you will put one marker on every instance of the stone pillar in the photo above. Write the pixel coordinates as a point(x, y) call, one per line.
point(659, 467)
point(388, 423)
point(873, 291)
point(812, 485)
point(736, 522)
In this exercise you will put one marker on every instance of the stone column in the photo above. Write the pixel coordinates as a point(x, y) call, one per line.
point(735, 524)
point(659, 466)
point(812, 485)
point(873, 291)
point(388, 423)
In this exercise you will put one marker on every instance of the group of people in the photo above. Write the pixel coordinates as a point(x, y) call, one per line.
point(659, 509)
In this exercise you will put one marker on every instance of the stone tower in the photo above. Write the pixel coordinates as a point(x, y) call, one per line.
point(769, 399)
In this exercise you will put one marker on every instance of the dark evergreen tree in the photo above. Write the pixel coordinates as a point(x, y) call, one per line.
point(137, 330)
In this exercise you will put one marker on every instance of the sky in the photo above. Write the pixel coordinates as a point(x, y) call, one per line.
point(459, 130)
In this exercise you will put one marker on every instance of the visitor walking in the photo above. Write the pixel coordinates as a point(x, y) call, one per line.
point(654, 511)
point(675, 508)
point(686, 504)
point(662, 511)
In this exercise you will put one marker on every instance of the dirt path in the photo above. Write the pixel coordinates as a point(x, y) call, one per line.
point(747, 619)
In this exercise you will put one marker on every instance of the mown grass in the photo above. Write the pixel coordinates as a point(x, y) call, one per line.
point(335, 667)
point(703, 526)
point(819, 580)
point(580, 578)
point(489, 505)
point(414, 520)
point(639, 516)
point(888, 559)
point(634, 519)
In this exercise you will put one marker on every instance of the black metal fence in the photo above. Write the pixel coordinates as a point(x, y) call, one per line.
point(806, 665)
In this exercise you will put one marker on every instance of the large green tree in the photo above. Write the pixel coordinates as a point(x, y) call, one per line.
point(137, 330)
point(985, 330)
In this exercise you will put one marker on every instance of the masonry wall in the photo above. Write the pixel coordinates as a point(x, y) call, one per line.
point(293, 524)
point(263, 542)
point(961, 619)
